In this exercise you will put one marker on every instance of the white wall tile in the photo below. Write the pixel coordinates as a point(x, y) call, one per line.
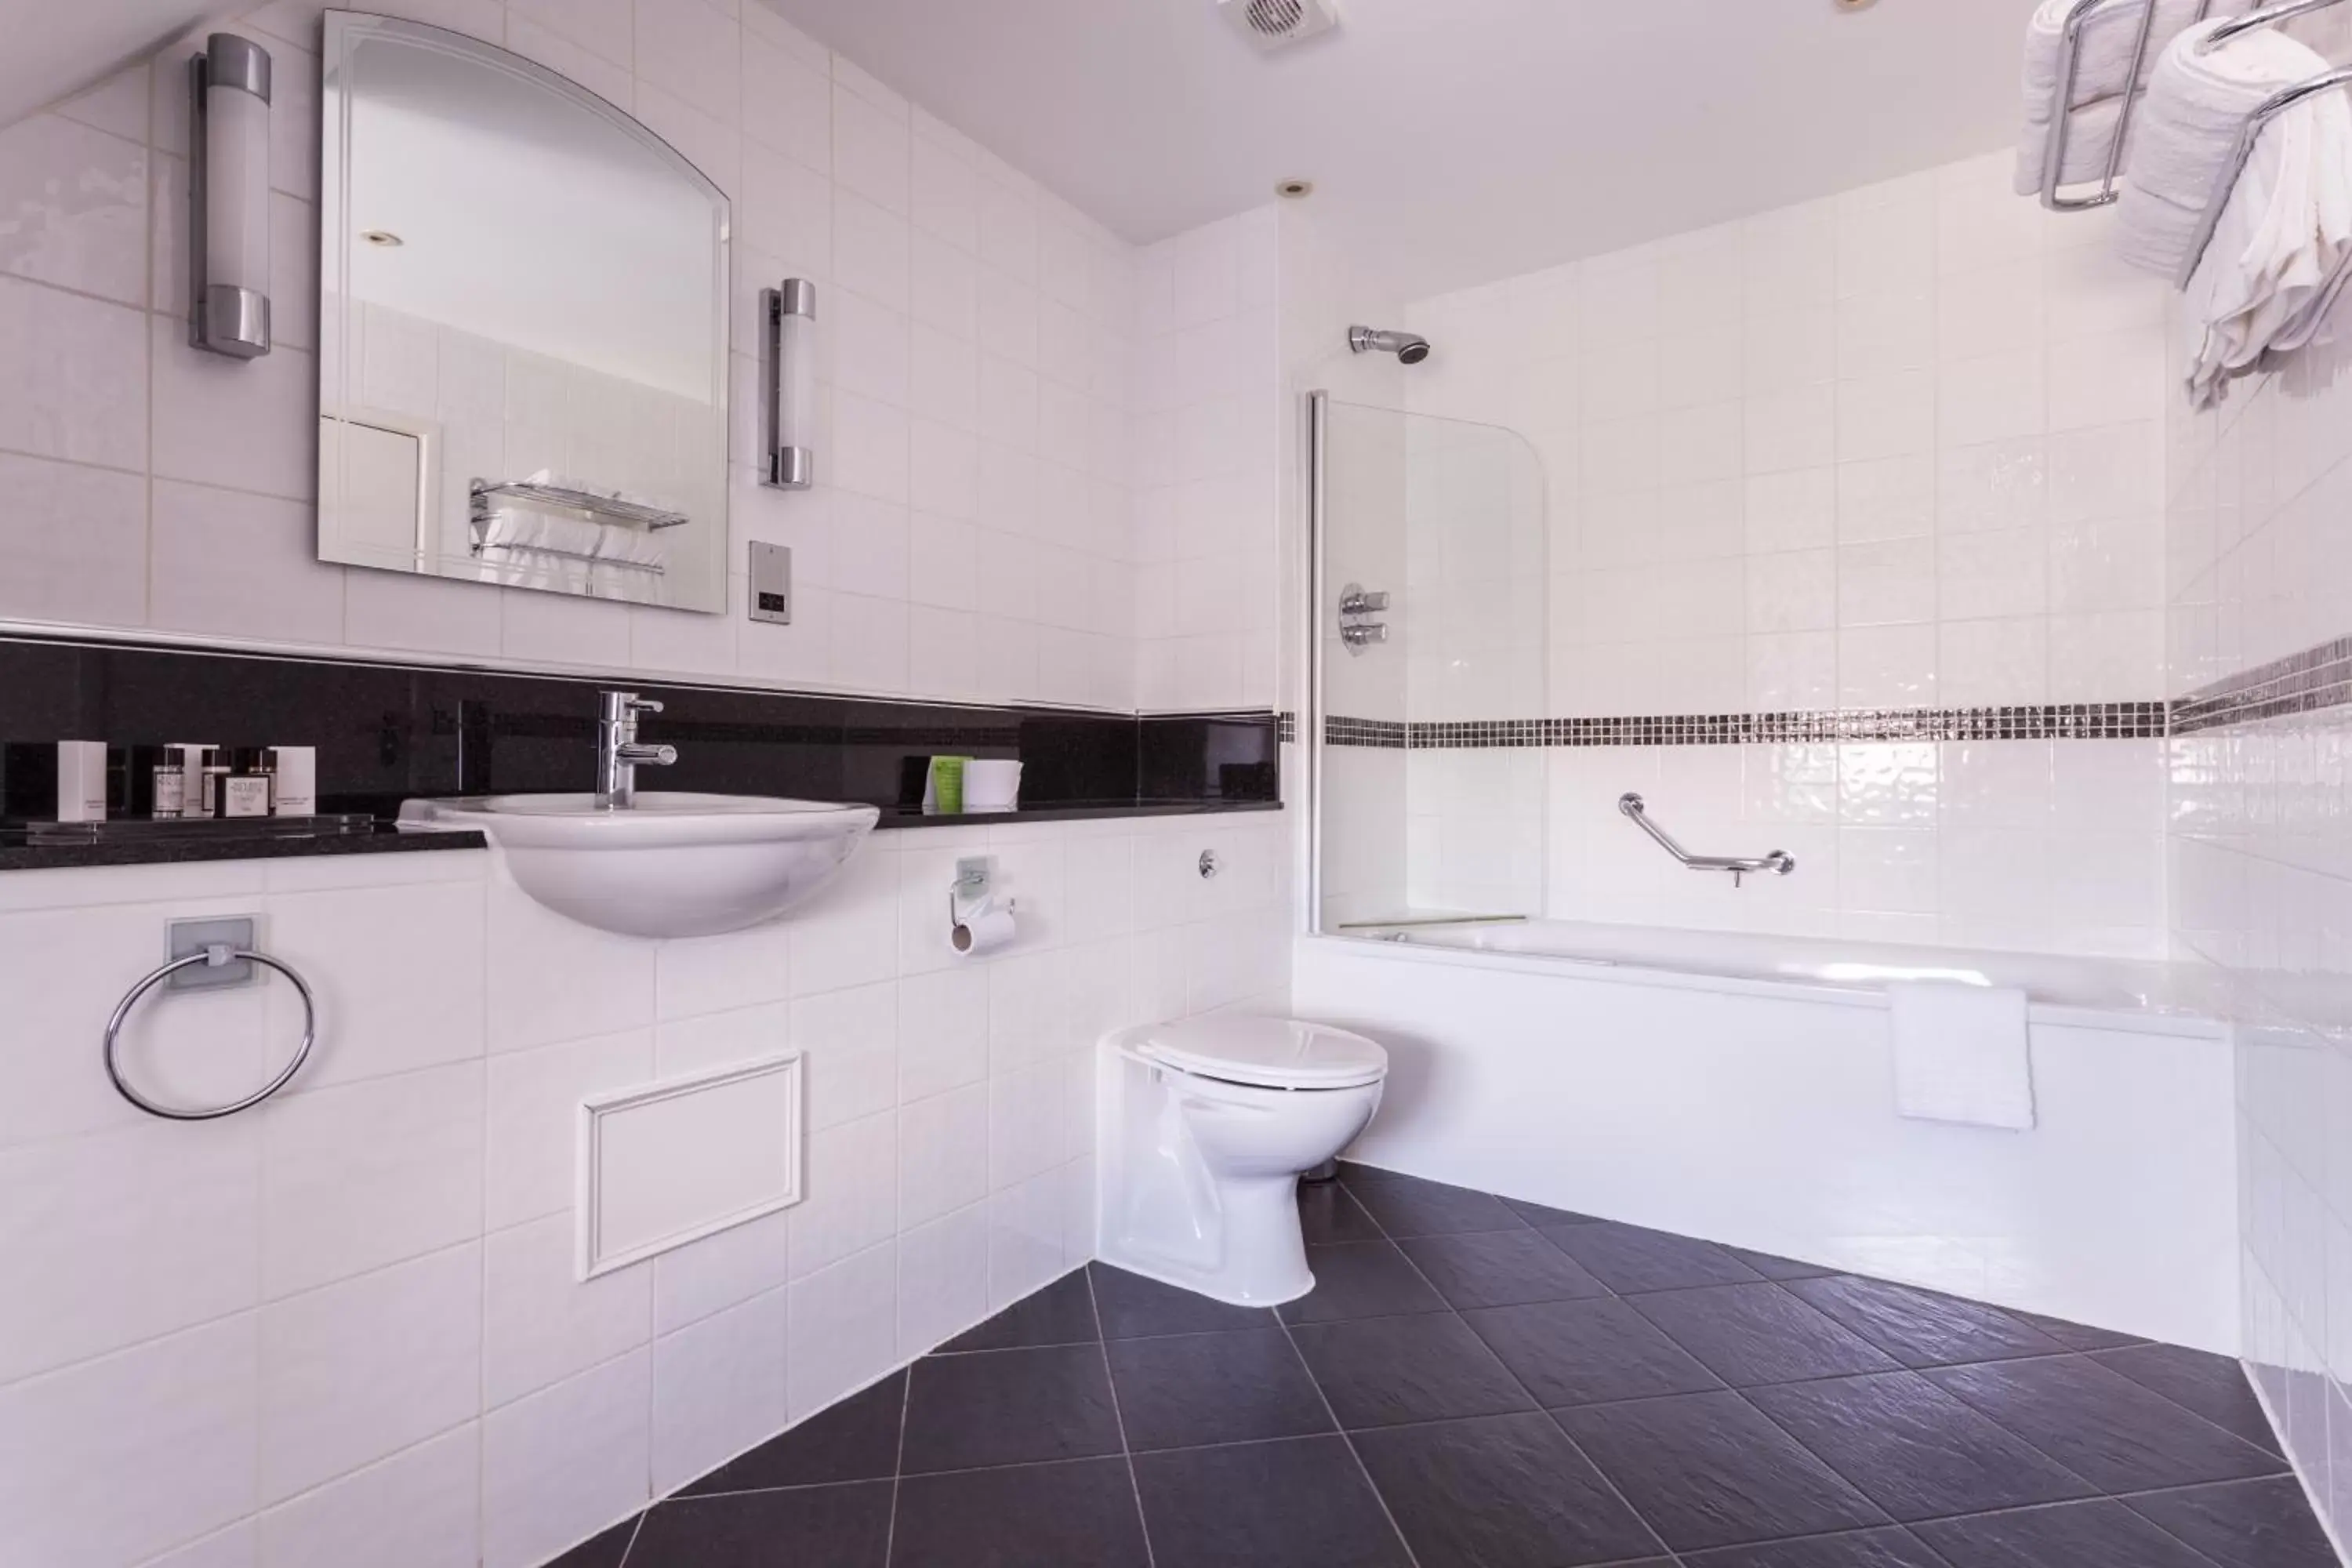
point(718, 1388)
point(360, 1370)
point(181, 1413)
point(561, 1465)
point(539, 1323)
point(420, 1508)
point(359, 1176)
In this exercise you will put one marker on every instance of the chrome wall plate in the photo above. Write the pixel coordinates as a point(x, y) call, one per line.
point(189, 937)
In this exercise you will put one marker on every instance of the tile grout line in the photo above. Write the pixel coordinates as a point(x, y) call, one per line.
point(1349, 1438)
point(637, 1528)
point(1566, 1436)
point(1118, 1419)
point(898, 1466)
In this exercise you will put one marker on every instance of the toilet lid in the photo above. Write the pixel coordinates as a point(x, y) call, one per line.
point(1271, 1053)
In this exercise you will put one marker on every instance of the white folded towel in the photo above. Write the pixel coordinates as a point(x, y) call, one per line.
point(1961, 1053)
point(2285, 231)
point(2196, 107)
point(2108, 38)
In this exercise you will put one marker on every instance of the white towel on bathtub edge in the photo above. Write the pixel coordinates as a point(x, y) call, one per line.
point(1961, 1053)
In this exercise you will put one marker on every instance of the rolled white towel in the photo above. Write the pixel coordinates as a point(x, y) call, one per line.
point(2108, 38)
point(2287, 229)
point(2197, 105)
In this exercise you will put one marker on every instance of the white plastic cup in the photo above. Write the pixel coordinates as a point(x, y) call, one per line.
point(992, 785)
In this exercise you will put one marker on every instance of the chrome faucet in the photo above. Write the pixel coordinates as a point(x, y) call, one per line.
point(619, 754)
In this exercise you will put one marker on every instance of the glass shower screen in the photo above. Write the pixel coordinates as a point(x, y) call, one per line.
point(1432, 668)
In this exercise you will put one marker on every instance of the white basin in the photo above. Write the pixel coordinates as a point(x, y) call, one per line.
point(672, 865)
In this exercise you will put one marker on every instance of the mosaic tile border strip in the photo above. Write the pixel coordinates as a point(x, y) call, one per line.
point(2047, 722)
point(2316, 678)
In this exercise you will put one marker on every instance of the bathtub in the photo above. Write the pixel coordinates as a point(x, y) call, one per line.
point(1739, 1089)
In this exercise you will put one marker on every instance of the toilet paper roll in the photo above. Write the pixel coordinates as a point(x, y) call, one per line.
point(983, 932)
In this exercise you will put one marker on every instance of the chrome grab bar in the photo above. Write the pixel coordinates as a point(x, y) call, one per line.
point(1778, 863)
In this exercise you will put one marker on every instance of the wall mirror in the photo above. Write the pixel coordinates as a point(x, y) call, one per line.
point(522, 362)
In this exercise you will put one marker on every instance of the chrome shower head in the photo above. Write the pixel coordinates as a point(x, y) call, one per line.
point(1409, 348)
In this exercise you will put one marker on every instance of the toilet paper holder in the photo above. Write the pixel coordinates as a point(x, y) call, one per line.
point(971, 895)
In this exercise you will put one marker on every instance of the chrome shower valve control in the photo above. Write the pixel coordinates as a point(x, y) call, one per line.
point(1356, 604)
point(619, 754)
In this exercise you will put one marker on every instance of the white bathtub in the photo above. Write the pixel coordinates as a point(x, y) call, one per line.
point(1738, 1088)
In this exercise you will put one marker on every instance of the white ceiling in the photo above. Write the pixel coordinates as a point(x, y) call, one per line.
point(1454, 140)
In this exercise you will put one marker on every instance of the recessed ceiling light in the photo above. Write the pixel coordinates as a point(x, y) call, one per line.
point(1854, 5)
point(1294, 189)
point(382, 237)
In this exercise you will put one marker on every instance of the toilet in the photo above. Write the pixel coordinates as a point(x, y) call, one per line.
point(1205, 1125)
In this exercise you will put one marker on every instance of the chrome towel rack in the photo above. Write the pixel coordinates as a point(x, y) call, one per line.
point(216, 955)
point(1779, 863)
point(2062, 106)
point(2226, 185)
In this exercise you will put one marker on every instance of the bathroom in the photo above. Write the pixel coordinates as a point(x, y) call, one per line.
point(1647, 623)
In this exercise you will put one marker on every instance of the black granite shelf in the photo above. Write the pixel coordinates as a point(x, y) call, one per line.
point(385, 840)
point(386, 733)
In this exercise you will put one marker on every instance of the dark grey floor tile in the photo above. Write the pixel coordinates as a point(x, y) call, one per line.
point(1361, 1280)
point(1585, 1352)
point(1500, 1268)
point(2100, 1534)
point(1214, 1388)
point(2079, 1336)
point(1131, 1307)
point(1709, 1469)
point(604, 1551)
point(1062, 1313)
point(1861, 1549)
point(1751, 1334)
point(2104, 1427)
point(1502, 1491)
point(1008, 1408)
point(1383, 1370)
point(2214, 1386)
point(1921, 1328)
point(1542, 1214)
point(1076, 1515)
point(1626, 1258)
point(1327, 1213)
point(841, 1527)
point(1915, 1450)
point(855, 1440)
point(1300, 1503)
point(1774, 1266)
point(1408, 1205)
point(2243, 1524)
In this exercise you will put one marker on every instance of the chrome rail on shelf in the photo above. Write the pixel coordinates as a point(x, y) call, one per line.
point(1779, 863)
point(566, 498)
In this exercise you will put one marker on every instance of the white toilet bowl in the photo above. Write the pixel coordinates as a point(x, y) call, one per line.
point(1205, 1126)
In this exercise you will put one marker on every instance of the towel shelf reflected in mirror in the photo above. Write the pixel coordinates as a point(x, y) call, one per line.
point(523, 336)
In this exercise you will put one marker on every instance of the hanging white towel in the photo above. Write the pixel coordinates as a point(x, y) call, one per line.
point(2285, 232)
point(1961, 1053)
point(2107, 40)
point(2196, 107)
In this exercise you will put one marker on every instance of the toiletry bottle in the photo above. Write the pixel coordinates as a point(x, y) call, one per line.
point(297, 783)
point(244, 789)
point(167, 788)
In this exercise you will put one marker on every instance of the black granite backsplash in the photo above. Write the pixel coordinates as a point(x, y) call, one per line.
point(386, 733)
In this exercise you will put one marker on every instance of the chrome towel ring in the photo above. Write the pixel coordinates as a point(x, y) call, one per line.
point(213, 957)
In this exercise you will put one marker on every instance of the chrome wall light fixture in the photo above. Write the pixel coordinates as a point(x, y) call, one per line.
point(788, 384)
point(228, 198)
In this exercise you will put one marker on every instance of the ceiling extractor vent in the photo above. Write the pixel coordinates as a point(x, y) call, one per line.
point(1272, 24)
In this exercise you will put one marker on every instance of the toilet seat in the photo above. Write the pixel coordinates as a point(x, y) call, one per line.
point(1264, 1053)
